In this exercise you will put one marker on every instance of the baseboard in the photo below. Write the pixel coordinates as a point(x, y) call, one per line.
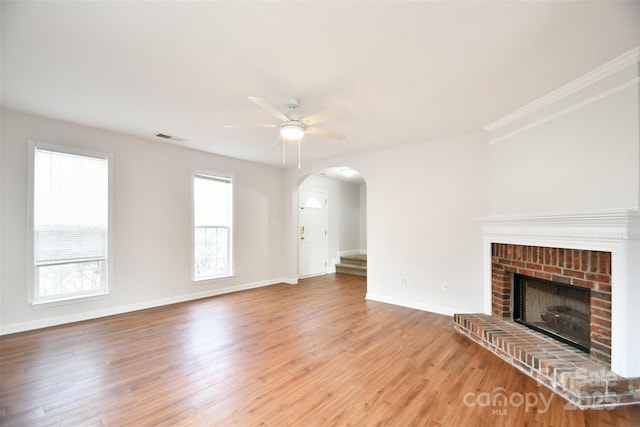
point(411, 304)
point(96, 314)
point(352, 252)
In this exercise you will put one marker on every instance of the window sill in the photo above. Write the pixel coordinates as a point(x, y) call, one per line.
point(214, 278)
point(69, 300)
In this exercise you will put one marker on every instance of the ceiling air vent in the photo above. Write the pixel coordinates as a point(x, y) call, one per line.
point(169, 137)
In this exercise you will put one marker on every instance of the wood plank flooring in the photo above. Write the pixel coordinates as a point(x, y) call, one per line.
point(312, 354)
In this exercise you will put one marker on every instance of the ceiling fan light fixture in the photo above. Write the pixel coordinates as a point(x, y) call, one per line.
point(348, 173)
point(291, 130)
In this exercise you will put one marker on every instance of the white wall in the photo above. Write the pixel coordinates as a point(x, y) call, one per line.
point(580, 152)
point(363, 219)
point(152, 220)
point(344, 214)
point(422, 200)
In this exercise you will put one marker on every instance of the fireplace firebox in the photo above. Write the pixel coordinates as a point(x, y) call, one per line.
point(556, 309)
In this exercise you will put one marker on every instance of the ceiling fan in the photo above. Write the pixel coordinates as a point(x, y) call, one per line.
point(292, 125)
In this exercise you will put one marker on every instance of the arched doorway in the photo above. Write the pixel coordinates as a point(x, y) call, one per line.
point(340, 231)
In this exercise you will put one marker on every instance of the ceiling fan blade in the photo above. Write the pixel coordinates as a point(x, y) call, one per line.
point(251, 126)
point(269, 108)
point(325, 133)
point(326, 115)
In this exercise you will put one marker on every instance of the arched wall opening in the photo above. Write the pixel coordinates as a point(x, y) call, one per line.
point(331, 222)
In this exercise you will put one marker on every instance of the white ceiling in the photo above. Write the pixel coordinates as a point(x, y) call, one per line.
point(409, 71)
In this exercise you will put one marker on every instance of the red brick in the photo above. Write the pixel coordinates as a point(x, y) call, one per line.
point(603, 287)
point(573, 273)
point(604, 340)
point(601, 325)
point(533, 266)
point(621, 385)
point(600, 347)
point(577, 265)
point(561, 279)
point(546, 256)
point(604, 296)
point(568, 259)
point(552, 269)
point(541, 275)
point(584, 283)
point(605, 262)
point(600, 330)
point(603, 278)
point(605, 314)
point(536, 255)
point(526, 272)
point(593, 265)
point(598, 303)
point(585, 260)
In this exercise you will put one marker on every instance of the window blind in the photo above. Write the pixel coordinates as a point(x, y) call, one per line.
point(70, 207)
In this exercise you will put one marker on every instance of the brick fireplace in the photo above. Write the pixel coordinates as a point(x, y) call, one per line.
point(581, 268)
point(595, 251)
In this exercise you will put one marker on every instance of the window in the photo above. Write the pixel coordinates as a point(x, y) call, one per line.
point(212, 220)
point(70, 223)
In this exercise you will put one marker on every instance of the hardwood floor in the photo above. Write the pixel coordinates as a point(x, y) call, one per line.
point(312, 354)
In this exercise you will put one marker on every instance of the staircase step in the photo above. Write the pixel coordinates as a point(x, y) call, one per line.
point(354, 259)
point(356, 269)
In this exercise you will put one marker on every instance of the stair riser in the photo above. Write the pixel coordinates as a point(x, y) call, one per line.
point(344, 260)
point(347, 270)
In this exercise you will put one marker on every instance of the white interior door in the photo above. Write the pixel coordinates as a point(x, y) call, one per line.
point(312, 233)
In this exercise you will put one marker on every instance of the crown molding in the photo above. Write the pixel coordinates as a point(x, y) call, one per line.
point(610, 68)
point(603, 225)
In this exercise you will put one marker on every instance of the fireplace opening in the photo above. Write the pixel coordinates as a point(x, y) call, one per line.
point(556, 309)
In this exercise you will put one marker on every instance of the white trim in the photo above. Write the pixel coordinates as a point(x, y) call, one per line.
point(232, 254)
point(325, 240)
point(447, 311)
point(629, 58)
point(567, 110)
point(352, 252)
point(78, 317)
point(617, 232)
point(32, 146)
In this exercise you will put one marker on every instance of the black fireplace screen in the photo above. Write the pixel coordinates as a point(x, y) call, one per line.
point(559, 310)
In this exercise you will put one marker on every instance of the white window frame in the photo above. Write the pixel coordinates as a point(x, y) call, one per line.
point(231, 235)
point(32, 275)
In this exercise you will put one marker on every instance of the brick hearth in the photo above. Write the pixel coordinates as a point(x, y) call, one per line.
point(563, 369)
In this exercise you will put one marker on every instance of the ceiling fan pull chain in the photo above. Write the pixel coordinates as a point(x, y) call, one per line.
point(284, 151)
point(299, 139)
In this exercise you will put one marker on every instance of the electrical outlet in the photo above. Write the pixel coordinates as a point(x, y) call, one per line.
point(445, 287)
point(403, 281)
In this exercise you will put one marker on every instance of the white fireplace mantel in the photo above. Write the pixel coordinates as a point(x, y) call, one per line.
point(617, 232)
